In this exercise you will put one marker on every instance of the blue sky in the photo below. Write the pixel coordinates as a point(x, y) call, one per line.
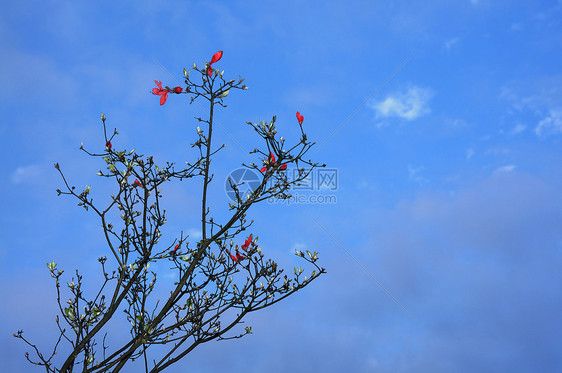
point(442, 118)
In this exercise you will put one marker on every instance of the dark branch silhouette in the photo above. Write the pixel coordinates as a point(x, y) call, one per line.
point(218, 282)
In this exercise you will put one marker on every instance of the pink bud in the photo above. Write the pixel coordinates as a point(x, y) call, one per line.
point(300, 118)
point(217, 56)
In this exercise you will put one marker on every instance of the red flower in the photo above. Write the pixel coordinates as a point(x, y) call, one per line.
point(178, 89)
point(137, 183)
point(247, 243)
point(271, 162)
point(160, 92)
point(173, 252)
point(300, 118)
point(236, 257)
point(108, 145)
point(216, 57)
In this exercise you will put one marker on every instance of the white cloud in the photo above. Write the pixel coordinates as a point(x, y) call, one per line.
point(518, 129)
point(195, 234)
point(449, 43)
point(409, 105)
point(25, 174)
point(516, 27)
point(298, 246)
point(414, 174)
point(538, 96)
point(455, 122)
point(552, 124)
point(507, 168)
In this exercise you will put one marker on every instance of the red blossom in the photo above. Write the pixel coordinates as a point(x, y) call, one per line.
point(247, 243)
point(237, 257)
point(216, 57)
point(137, 183)
point(300, 118)
point(108, 145)
point(178, 90)
point(271, 162)
point(173, 252)
point(163, 93)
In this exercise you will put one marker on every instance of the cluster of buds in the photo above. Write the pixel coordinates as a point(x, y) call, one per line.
point(245, 246)
point(270, 162)
point(163, 92)
point(313, 256)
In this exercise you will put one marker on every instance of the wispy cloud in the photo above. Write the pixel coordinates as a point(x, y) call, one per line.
point(518, 129)
point(408, 105)
point(298, 246)
point(550, 125)
point(507, 168)
point(25, 174)
point(449, 43)
point(535, 95)
point(414, 174)
point(539, 97)
point(196, 234)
